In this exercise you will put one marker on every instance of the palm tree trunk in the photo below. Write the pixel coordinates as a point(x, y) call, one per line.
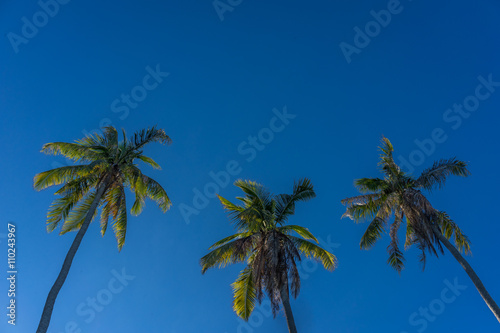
point(473, 276)
point(285, 299)
point(51, 298)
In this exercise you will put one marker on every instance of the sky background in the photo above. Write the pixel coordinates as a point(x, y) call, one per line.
point(227, 73)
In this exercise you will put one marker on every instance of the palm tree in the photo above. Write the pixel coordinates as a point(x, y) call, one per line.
point(266, 244)
point(108, 168)
point(399, 195)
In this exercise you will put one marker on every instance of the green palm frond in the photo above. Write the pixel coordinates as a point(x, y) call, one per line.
point(450, 229)
point(365, 185)
point(311, 250)
point(140, 189)
point(373, 233)
point(359, 211)
point(145, 187)
point(229, 238)
point(120, 221)
point(110, 206)
point(436, 175)
point(59, 210)
point(396, 258)
point(73, 151)
point(257, 195)
point(303, 232)
point(150, 161)
point(361, 199)
point(410, 235)
point(110, 137)
point(60, 176)
point(105, 214)
point(76, 216)
point(303, 190)
point(92, 140)
point(228, 253)
point(145, 136)
point(387, 164)
point(244, 294)
point(155, 192)
point(245, 218)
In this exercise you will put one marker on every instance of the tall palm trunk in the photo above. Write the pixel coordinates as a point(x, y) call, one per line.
point(285, 299)
point(473, 276)
point(51, 298)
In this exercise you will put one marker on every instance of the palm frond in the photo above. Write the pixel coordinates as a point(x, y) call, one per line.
point(228, 253)
point(386, 163)
point(244, 294)
point(145, 136)
point(373, 233)
point(73, 151)
point(436, 175)
point(311, 250)
point(450, 229)
point(157, 193)
point(396, 258)
point(120, 221)
point(303, 190)
point(59, 210)
point(358, 212)
point(365, 185)
point(60, 176)
point(303, 232)
point(150, 161)
point(257, 195)
point(77, 215)
point(228, 239)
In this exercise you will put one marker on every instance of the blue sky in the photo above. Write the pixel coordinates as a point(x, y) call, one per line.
point(233, 74)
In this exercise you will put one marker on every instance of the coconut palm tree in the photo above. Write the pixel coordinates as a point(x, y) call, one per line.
point(399, 195)
point(108, 167)
point(266, 244)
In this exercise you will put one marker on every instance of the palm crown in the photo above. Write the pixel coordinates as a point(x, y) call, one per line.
point(399, 195)
point(107, 163)
point(265, 242)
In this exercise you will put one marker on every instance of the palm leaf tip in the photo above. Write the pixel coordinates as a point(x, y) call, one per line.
point(386, 146)
point(437, 174)
point(244, 292)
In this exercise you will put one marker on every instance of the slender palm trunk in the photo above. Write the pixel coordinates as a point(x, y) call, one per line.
point(285, 299)
point(473, 276)
point(51, 298)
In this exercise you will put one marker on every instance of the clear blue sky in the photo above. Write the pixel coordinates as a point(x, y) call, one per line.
point(227, 73)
